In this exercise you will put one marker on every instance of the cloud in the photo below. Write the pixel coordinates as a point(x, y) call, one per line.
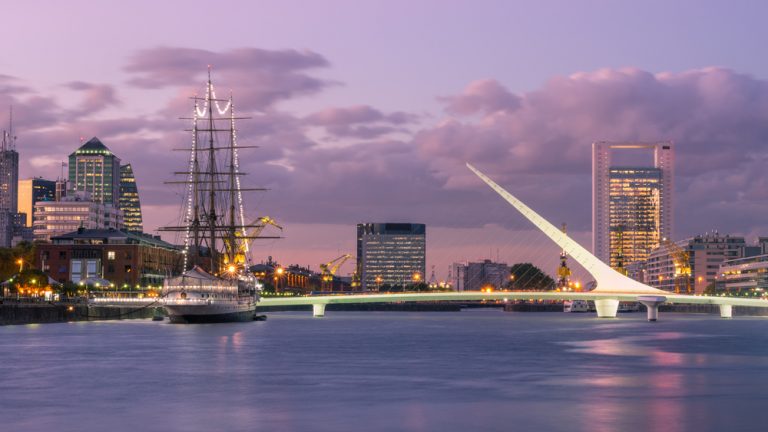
point(394, 166)
point(717, 118)
point(96, 97)
point(482, 97)
point(258, 77)
point(360, 121)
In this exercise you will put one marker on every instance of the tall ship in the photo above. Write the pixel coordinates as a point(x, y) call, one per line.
point(215, 285)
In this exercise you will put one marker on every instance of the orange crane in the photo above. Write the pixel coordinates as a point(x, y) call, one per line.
point(563, 271)
point(329, 270)
point(681, 260)
point(240, 249)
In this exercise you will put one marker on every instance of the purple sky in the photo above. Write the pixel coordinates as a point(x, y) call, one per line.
point(367, 111)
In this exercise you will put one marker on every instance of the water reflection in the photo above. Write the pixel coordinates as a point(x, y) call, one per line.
point(388, 372)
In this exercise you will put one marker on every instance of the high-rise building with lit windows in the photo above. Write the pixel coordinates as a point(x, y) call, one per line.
point(631, 205)
point(129, 200)
point(34, 190)
point(93, 168)
point(390, 254)
point(9, 188)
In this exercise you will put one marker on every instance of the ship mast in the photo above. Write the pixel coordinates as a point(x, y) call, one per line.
point(212, 178)
point(214, 204)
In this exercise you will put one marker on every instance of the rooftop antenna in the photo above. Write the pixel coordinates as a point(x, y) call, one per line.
point(12, 143)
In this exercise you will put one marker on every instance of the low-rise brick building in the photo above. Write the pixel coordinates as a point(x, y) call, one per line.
point(124, 259)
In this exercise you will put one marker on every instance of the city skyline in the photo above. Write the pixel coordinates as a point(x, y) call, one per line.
point(331, 130)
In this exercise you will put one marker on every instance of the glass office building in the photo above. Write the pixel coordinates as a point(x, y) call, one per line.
point(93, 168)
point(632, 205)
point(390, 254)
point(129, 200)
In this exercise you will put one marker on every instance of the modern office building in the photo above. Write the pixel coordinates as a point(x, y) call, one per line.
point(392, 254)
point(53, 218)
point(96, 255)
point(691, 265)
point(631, 205)
point(9, 179)
point(474, 276)
point(32, 191)
point(129, 200)
point(746, 275)
point(95, 169)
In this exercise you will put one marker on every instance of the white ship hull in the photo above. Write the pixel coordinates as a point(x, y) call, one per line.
point(197, 297)
point(211, 313)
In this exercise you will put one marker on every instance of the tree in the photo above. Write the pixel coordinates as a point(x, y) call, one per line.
point(9, 258)
point(526, 276)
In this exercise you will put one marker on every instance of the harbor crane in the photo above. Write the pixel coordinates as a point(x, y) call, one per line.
point(240, 249)
point(681, 260)
point(329, 270)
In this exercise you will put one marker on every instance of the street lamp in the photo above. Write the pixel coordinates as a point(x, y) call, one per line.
point(20, 262)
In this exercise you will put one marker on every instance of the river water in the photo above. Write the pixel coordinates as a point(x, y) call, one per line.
point(477, 370)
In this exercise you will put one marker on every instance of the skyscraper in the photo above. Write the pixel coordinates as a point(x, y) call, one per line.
point(631, 205)
point(32, 191)
point(129, 200)
point(95, 169)
point(9, 183)
point(390, 254)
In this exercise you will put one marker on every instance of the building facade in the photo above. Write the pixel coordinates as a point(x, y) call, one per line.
point(53, 218)
point(129, 200)
point(32, 191)
point(9, 182)
point(123, 259)
point(474, 276)
point(703, 254)
point(631, 205)
point(748, 275)
point(392, 254)
point(93, 168)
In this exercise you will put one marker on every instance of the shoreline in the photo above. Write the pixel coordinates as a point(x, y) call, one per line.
point(44, 313)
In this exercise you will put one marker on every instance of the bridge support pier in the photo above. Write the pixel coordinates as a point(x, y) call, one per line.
point(726, 311)
point(652, 303)
point(318, 310)
point(607, 308)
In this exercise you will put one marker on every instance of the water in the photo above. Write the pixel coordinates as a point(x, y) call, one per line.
point(482, 370)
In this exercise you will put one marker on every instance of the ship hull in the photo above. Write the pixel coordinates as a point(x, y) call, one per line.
point(213, 318)
point(206, 314)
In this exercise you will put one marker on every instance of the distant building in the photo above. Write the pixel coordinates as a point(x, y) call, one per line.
point(457, 276)
point(475, 276)
point(9, 179)
point(124, 259)
point(705, 253)
point(746, 275)
point(54, 218)
point(129, 200)
point(391, 254)
point(32, 191)
point(631, 205)
point(93, 168)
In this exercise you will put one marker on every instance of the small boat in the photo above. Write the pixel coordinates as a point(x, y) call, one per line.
point(575, 306)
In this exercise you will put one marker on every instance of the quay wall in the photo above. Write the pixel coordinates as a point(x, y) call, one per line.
point(40, 313)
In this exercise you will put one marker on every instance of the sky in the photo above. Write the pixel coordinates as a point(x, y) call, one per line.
point(367, 111)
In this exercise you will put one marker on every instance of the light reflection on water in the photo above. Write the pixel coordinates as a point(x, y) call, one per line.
point(473, 370)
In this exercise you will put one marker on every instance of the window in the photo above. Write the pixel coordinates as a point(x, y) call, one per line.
point(91, 270)
point(111, 255)
point(128, 268)
point(62, 255)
